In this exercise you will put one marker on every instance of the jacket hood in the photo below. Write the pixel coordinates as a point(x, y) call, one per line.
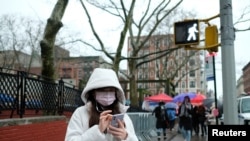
point(103, 78)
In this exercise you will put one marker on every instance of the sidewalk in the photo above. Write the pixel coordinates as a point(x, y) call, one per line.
point(178, 137)
point(174, 136)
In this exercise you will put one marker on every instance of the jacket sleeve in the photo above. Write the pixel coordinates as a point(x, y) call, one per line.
point(130, 129)
point(78, 130)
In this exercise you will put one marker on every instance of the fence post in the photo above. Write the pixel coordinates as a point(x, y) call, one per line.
point(20, 93)
point(60, 97)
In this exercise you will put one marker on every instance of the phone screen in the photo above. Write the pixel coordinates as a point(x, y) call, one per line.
point(114, 121)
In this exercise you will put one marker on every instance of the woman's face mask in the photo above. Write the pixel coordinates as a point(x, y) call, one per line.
point(105, 98)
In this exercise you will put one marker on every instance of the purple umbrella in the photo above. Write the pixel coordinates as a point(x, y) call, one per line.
point(180, 97)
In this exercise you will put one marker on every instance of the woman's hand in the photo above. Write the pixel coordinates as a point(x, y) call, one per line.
point(119, 132)
point(105, 118)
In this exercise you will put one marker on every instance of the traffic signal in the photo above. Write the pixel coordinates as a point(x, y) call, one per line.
point(187, 32)
point(211, 38)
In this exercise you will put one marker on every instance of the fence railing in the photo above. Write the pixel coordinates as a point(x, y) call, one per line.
point(21, 91)
point(144, 124)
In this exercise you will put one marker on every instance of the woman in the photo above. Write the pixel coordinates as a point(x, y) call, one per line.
point(104, 97)
point(185, 118)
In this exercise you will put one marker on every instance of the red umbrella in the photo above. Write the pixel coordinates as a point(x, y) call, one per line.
point(159, 97)
point(198, 98)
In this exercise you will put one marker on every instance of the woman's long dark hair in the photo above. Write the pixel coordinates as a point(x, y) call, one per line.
point(94, 113)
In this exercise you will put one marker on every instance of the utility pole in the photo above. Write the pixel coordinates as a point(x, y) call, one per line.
point(228, 63)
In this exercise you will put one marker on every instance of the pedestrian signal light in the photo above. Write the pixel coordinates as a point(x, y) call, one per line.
point(211, 38)
point(187, 32)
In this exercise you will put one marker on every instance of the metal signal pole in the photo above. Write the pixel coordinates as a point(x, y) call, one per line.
point(228, 63)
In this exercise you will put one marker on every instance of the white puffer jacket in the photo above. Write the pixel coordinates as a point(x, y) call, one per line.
point(78, 127)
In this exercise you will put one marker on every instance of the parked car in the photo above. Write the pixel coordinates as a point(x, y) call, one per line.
point(243, 104)
point(244, 109)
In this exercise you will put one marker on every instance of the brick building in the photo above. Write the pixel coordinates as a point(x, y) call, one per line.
point(246, 77)
point(72, 70)
point(189, 76)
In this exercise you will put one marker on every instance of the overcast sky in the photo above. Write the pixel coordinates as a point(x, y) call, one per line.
point(41, 10)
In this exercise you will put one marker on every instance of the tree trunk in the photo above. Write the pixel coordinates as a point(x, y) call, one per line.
point(47, 44)
point(133, 84)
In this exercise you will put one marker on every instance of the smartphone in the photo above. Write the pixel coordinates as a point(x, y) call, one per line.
point(114, 121)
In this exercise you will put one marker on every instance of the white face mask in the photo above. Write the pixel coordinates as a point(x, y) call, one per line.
point(105, 98)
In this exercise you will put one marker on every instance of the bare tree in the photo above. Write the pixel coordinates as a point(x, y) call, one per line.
point(17, 42)
point(152, 11)
point(244, 18)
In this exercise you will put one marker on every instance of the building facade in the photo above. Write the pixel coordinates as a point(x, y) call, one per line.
point(77, 70)
point(240, 86)
point(183, 68)
point(246, 77)
point(74, 71)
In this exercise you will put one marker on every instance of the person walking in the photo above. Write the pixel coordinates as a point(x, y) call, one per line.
point(171, 113)
point(185, 118)
point(195, 120)
point(202, 119)
point(104, 97)
point(161, 120)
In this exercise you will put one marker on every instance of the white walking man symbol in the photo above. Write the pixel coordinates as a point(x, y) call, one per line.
point(191, 32)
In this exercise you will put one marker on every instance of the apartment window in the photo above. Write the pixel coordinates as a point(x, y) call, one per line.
point(192, 73)
point(157, 43)
point(166, 42)
point(191, 62)
point(140, 77)
point(192, 84)
point(176, 75)
point(151, 73)
point(183, 85)
point(183, 73)
point(177, 85)
point(146, 44)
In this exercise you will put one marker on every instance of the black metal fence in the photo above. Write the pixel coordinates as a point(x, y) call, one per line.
point(20, 91)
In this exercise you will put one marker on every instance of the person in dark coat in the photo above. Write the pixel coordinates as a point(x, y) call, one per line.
point(161, 120)
point(185, 116)
point(195, 120)
point(202, 119)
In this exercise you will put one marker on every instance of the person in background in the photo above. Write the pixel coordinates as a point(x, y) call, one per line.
point(185, 118)
point(212, 114)
point(195, 120)
point(161, 120)
point(171, 113)
point(202, 119)
point(104, 97)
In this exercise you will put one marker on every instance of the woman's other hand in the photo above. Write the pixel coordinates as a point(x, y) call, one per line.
point(119, 132)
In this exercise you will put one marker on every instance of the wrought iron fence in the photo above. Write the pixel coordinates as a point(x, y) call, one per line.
point(20, 91)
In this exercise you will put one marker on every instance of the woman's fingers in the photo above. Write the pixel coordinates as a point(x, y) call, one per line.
point(105, 112)
point(121, 123)
point(119, 132)
point(105, 118)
